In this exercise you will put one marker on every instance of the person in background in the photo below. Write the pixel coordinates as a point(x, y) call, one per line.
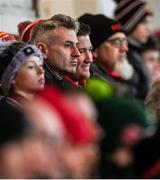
point(21, 72)
point(57, 40)
point(48, 124)
point(109, 50)
point(109, 45)
point(125, 122)
point(84, 61)
point(79, 153)
point(151, 57)
point(146, 152)
point(22, 152)
point(134, 17)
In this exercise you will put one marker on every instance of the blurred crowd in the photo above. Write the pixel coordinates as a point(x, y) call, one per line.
point(80, 98)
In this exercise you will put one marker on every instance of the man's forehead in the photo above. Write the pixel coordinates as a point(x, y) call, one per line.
point(85, 40)
point(85, 37)
point(118, 35)
point(63, 31)
point(65, 35)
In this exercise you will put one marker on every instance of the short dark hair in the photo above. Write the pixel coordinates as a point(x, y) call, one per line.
point(83, 30)
point(66, 21)
point(152, 44)
point(59, 20)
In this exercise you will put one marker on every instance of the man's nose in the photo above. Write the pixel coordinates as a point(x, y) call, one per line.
point(124, 47)
point(75, 52)
point(88, 57)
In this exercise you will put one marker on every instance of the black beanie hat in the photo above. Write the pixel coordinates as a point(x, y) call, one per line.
point(130, 13)
point(101, 27)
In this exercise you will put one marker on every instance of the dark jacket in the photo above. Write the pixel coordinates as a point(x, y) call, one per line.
point(52, 78)
point(135, 58)
point(97, 71)
point(125, 85)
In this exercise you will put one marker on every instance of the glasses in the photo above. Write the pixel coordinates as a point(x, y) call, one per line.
point(118, 42)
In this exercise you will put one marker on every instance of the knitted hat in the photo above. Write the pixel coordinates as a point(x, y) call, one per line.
point(6, 37)
point(130, 13)
point(22, 25)
point(24, 34)
point(125, 122)
point(101, 26)
point(79, 129)
point(12, 58)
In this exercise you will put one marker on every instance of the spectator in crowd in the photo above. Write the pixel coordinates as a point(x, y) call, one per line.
point(80, 152)
point(57, 40)
point(122, 129)
point(134, 17)
point(48, 124)
point(109, 45)
point(22, 153)
point(85, 59)
point(146, 152)
point(21, 72)
point(109, 51)
point(151, 57)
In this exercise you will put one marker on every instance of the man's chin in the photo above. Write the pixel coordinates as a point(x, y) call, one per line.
point(71, 71)
point(84, 76)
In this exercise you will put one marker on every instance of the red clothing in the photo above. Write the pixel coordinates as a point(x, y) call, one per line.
point(72, 81)
point(115, 75)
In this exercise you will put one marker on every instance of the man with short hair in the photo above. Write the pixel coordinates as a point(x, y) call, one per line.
point(109, 45)
point(85, 59)
point(56, 38)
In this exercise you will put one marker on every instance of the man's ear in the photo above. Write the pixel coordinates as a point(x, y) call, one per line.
point(43, 48)
point(95, 53)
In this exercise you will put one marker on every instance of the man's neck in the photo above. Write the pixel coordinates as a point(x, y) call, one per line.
point(54, 71)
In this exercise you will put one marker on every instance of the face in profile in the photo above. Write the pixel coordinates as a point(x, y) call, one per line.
point(85, 59)
point(62, 53)
point(30, 76)
point(151, 59)
point(111, 51)
point(142, 31)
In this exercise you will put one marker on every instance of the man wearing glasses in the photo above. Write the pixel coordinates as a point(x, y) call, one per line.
point(109, 45)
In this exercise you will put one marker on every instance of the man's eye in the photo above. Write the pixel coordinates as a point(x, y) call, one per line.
point(91, 49)
point(117, 42)
point(81, 50)
point(67, 45)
